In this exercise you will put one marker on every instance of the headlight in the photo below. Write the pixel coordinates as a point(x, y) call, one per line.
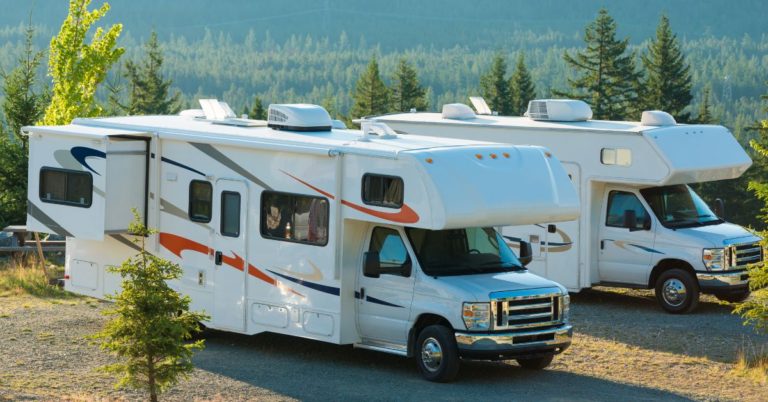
point(566, 307)
point(477, 316)
point(714, 259)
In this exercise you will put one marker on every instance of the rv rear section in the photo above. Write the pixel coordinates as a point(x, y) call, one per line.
point(379, 240)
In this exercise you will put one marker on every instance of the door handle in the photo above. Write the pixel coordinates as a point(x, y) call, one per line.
point(362, 293)
point(217, 258)
point(602, 244)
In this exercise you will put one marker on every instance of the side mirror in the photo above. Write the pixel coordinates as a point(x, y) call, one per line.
point(551, 228)
point(371, 266)
point(526, 253)
point(630, 219)
point(719, 208)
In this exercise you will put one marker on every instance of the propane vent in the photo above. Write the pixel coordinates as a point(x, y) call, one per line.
point(298, 117)
point(558, 110)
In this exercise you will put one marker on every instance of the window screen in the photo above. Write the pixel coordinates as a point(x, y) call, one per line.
point(294, 218)
point(383, 191)
point(200, 201)
point(230, 214)
point(68, 187)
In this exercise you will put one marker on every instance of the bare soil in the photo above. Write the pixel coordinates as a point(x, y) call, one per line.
point(625, 348)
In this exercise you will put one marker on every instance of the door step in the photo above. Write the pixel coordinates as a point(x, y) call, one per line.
point(381, 346)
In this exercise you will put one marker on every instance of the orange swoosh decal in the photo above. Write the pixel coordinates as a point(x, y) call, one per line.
point(177, 244)
point(405, 215)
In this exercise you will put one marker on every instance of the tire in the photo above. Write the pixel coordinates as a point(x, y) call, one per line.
point(536, 363)
point(734, 297)
point(677, 291)
point(437, 355)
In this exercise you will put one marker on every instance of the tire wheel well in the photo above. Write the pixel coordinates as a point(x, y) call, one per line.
point(665, 265)
point(422, 322)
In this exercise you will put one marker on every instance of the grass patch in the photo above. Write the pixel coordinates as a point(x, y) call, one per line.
point(18, 277)
point(752, 363)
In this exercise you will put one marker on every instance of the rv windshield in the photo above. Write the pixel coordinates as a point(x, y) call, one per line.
point(679, 207)
point(462, 251)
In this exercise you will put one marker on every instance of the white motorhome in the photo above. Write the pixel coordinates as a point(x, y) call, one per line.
point(641, 225)
point(291, 226)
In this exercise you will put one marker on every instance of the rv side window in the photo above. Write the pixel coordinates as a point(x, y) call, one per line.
point(616, 156)
point(230, 214)
point(383, 191)
point(200, 201)
point(618, 203)
point(68, 187)
point(294, 218)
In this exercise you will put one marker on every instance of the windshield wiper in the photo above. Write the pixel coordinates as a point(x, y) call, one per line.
point(501, 265)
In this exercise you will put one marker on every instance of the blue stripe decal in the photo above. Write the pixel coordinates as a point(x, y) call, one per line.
point(650, 250)
point(382, 302)
point(323, 288)
point(174, 163)
point(80, 153)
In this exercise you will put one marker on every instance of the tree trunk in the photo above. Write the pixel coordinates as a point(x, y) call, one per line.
point(151, 379)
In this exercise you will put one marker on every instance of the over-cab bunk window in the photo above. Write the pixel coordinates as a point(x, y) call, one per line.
point(200, 201)
point(383, 191)
point(68, 187)
point(294, 218)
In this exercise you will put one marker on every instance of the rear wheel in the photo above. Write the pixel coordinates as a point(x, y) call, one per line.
point(677, 291)
point(437, 354)
point(734, 297)
point(537, 363)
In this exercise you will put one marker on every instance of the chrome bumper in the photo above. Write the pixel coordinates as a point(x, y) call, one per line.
point(720, 280)
point(557, 339)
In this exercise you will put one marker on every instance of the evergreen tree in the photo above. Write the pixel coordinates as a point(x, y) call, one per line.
point(23, 105)
point(521, 87)
point(77, 68)
point(257, 111)
point(407, 93)
point(371, 96)
point(149, 92)
point(668, 84)
point(495, 88)
point(152, 323)
point(607, 79)
point(705, 113)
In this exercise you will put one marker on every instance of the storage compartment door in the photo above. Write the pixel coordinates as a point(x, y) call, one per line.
point(66, 185)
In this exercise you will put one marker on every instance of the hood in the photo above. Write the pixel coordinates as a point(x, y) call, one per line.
point(480, 286)
point(719, 235)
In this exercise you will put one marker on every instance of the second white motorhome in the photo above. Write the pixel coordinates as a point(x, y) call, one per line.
point(291, 226)
point(640, 225)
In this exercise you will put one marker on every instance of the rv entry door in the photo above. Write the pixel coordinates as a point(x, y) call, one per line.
point(230, 211)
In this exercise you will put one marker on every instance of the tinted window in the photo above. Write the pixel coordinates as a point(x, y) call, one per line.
point(384, 191)
point(68, 187)
point(200, 201)
point(294, 217)
point(388, 243)
point(618, 203)
point(230, 214)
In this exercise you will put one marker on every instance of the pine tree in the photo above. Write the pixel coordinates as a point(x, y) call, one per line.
point(607, 78)
point(705, 113)
point(258, 112)
point(521, 87)
point(371, 96)
point(668, 85)
point(23, 105)
point(495, 88)
point(152, 323)
point(77, 68)
point(149, 91)
point(407, 93)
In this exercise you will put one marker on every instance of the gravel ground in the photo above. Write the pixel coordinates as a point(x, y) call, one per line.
point(625, 348)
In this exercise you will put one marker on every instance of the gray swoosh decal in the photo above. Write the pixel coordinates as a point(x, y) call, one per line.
point(224, 160)
point(124, 240)
point(46, 220)
point(168, 208)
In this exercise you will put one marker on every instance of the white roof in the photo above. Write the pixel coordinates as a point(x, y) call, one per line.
point(191, 129)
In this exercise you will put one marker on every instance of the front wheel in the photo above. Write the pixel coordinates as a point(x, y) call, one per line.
point(734, 297)
point(537, 363)
point(437, 354)
point(677, 291)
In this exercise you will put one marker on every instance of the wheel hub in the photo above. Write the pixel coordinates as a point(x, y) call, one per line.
point(431, 354)
point(674, 292)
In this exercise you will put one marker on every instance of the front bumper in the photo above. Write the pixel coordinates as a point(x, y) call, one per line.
point(723, 282)
point(509, 345)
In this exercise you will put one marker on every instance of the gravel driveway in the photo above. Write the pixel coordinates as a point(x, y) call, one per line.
point(625, 348)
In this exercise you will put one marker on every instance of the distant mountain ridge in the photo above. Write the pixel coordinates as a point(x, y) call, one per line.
point(405, 24)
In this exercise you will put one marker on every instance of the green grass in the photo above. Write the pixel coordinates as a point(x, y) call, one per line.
point(24, 276)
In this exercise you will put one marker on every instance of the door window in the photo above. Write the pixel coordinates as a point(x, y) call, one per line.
point(619, 202)
point(388, 243)
point(230, 214)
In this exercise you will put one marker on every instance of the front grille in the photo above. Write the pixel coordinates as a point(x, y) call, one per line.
point(527, 311)
point(741, 255)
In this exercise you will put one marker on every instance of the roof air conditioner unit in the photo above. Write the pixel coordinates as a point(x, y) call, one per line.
point(657, 118)
point(458, 111)
point(558, 110)
point(298, 117)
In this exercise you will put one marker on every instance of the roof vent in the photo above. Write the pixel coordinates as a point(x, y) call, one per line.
point(480, 105)
point(558, 110)
point(657, 118)
point(298, 117)
point(376, 128)
point(457, 111)
point(194, 113)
